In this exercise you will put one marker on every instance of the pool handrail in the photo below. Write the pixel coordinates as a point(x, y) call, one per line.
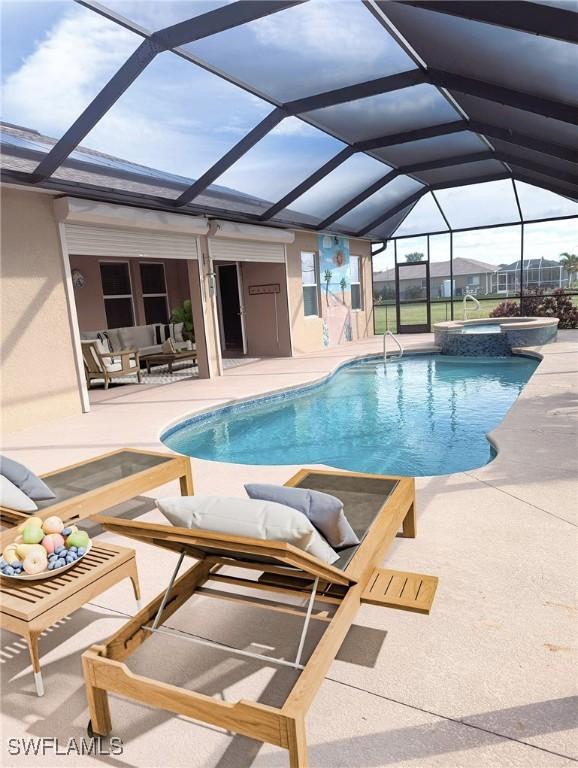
point(399, 345)
point(476, 302)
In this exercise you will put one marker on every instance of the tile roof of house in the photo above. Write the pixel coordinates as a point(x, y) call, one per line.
point(22, 148)
point(462, 266)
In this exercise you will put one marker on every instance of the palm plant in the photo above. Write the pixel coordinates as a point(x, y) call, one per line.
point(570, 263)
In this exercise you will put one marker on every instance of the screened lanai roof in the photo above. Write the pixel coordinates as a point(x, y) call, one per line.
point(364, 118)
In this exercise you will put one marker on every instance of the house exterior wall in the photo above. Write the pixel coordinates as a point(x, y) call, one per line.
point(39, 381)
point(307, 332)
point(90, 299)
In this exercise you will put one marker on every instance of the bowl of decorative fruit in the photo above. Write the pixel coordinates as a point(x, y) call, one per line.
point(43, 548)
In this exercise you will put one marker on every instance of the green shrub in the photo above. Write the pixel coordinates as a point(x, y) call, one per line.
point(184, 314)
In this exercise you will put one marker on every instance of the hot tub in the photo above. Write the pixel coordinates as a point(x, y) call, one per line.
point(494, 336)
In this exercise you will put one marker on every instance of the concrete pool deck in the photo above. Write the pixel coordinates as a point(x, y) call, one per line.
point(489, 679)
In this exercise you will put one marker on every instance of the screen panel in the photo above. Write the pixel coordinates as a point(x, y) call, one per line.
point(425, 217)
point(306, 49)
point(385, 114)
point(529, 123)
point(517, 60)
point(153, 15)
point(477, 205)
point(387, 197)
point(491, 254)
point(547, 182)
point(177, 117)
point(539, 203)
point(457, 172)
point(387, 228)
point(438, 147)
point(340, 186)
point(548, 250)
point(547, 161)
point(281, 160)
point(55, 60)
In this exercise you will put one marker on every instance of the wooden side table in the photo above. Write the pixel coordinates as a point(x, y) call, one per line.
point(28, 608)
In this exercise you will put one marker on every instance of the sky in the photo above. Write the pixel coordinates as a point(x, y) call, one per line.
point(177, 117)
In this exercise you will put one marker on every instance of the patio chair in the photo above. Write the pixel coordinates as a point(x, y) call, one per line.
point(376, 506)
point(97, 365)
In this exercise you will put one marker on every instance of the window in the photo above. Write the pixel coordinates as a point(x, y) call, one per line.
point(117, 293)
point(154, 292)
point(309, 279)
point(355, 273)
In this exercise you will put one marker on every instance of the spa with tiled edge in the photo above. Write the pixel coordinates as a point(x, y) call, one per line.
point(494, 337)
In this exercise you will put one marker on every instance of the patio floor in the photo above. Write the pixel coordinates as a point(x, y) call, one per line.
point(489, 679)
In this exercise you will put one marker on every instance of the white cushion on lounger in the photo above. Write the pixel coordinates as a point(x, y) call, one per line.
point(253, 518)
point(13, 498)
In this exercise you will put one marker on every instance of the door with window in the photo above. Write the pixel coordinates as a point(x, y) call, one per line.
point(117, 294)
point(412, 286)
point(154, 292)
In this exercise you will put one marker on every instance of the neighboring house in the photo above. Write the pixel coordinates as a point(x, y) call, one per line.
point(469, 275)
point(539, 274)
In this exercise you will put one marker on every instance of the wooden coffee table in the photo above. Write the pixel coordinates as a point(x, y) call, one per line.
point(168, 358)
point(91, 486)
point(28, 608)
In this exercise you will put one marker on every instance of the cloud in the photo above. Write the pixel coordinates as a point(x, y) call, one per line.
point(176, 116)
point(65, 71)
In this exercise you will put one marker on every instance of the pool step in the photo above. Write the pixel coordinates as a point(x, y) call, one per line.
point(400, 589)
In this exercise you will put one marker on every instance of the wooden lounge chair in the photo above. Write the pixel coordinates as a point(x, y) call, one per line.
point(125, 362)
point(376, 506)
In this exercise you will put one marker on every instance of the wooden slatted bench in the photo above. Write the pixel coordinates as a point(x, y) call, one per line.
point(28, 608)
point(399, 589)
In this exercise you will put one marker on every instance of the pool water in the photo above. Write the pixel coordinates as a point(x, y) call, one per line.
point(482, 328)
point(423, 415)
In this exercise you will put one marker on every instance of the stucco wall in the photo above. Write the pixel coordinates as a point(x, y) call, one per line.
point(307, 332)
point(39, 380)
point(90, 301)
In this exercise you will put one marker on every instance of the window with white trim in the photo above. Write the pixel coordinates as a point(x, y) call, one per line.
point(310, 285)
point(117, 294)
point(355, 275)
point(154, 292)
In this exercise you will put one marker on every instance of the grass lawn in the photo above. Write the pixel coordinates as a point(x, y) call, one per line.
point(414, 313)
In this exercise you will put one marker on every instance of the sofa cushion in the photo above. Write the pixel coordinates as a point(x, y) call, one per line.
point(251, 518)
point(137, 337)
point(25, 479)
point(325, 511)
point(113, 367)
point(13, 498)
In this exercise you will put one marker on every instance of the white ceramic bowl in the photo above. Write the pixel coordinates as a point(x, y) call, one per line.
point(47, 574)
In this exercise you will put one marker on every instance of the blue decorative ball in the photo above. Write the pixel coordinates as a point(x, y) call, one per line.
point(81, 551)
point(66, 531)
point(8, 571)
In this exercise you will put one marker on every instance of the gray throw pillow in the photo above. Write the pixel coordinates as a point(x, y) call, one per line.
point(25, 479)
point(325, 511)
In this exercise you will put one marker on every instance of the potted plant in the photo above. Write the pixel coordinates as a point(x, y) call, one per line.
point(184, 314)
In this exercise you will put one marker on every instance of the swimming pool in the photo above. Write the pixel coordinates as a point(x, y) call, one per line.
point(423, 415)
point(481, 328)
